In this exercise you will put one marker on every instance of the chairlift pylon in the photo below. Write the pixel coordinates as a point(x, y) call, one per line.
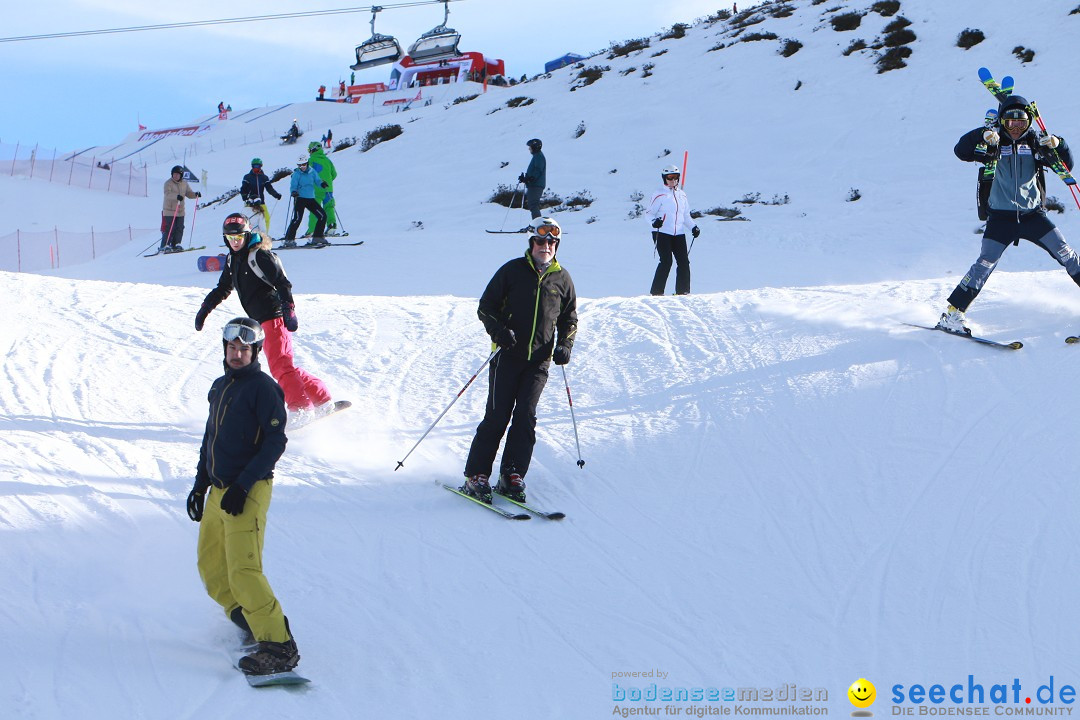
point(438, 43)
point(378, 49)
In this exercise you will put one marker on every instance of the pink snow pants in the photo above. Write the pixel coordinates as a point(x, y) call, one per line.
point(302, 390)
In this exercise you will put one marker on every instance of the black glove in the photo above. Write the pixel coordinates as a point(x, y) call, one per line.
point(561, 356)
point(505, 338)
point(521, 178)
point(195, 500)
point(295, 194)
point(232, 501)
point(257, 204)
point(274, 193)
point(288, 314)
point(694, 231)
point(200, 317)
point(658, 223)
point(180, 198)
point(198, 194)
point(323, 185)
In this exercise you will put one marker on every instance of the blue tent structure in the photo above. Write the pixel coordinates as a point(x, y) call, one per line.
point(567, 59)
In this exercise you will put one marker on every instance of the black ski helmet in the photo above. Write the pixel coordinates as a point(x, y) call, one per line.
point(247, 331)
point(1014, 102)
point(535, 144)
point(177, 169)
point(236, 224)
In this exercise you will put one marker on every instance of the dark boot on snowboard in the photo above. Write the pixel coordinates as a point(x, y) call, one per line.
point(272, 657)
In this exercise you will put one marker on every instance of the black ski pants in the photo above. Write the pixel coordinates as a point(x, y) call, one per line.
point(312, 205)
point(514, 388)
point(172, 231)
point(666, 247)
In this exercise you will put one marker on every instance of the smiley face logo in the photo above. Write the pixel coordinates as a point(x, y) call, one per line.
point(862, 693)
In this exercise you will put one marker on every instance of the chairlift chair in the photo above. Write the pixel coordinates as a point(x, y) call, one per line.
point(438, 43)
point(378, 49)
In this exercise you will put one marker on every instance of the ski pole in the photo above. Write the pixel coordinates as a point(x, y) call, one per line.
point(340, 221)
point(158, 242)
point(580, 462)
point(461, 392)
point(510, 205)
point(194, 213)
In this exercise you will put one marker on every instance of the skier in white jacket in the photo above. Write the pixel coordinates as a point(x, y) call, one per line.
point(670, 213)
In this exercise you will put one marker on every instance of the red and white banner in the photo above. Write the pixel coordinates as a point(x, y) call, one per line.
point(189, 131)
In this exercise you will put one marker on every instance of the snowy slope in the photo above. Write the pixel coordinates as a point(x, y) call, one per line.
point(782, 484)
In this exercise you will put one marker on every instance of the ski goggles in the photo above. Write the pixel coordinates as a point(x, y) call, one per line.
point(670, 177)
point(243, 333)
point(1015, 114)
point(238, 238)
point(546, 231)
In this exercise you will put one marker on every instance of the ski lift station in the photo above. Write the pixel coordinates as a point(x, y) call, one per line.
point(433, 59)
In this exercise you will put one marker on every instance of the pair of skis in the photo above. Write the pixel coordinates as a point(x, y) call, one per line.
point(305, 246)
point(508, 514)
point(174, 252)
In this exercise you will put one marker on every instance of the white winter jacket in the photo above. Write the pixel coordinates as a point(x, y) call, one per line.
point(671, 205)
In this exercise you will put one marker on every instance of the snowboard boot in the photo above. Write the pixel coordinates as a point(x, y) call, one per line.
point(272, 657)
point(478, 487)
point(952, 320)
point(237, 616)
point(511, 486)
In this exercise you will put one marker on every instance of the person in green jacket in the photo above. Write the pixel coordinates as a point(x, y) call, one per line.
point(324, 195)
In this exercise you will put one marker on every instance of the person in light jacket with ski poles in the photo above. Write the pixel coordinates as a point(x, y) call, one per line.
point(670, 213)
point(172, 210)
point(302, 186)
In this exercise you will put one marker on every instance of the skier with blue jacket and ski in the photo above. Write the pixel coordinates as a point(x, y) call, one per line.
point(302, 187)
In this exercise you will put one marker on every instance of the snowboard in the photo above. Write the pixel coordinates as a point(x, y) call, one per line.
point(211, 263)
point(338, 406)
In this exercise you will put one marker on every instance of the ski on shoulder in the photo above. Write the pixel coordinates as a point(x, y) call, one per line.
point(494, 508)
point(1016, 345)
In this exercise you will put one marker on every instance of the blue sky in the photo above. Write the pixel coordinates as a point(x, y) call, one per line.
point(73, 93)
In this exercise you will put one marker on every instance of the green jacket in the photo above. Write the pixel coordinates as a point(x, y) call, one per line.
point(325, 168)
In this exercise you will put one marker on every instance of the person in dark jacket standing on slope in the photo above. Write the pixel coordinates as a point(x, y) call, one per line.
point(244, 438)
point(252, 192)
point(266, 295)
point(529, 309)
point(670, 211)
point(1017, 202)
point(534, 177)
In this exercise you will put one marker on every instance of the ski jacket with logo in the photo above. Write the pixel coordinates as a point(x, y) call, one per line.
point(254, 185)
point(259, 280)
point(541, 308)
point(671, 205)
point(1019, 184)
point(245, 432)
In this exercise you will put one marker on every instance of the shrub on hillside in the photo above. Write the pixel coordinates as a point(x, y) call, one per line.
point(885, 8)
point(893, 59)
point(625, 48)
point(898, 38)
point(505, 195)
point(1075, 10)
point(646, 70)
point(280, 173)
point(729, 213)
point(1023, 54)
point(464, 99)
point(579, 130)
point(519, 101)
point(341, 145)
point(726, 15)
point(677, 31)
point(759, 36)
point(627, 71)
point(855, 46)
point(846, 22)
point(781, 11)
point(378, 135)
point(589, 75)
point(659, 53)
point(969, 38)
point(853, 195)
point(790, 47)
point(578, 201)
point(898, 24)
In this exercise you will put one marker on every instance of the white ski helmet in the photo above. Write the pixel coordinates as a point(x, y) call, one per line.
point(545, 227)
point(302, 160)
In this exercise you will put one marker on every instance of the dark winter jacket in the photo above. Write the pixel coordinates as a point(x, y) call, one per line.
point(536, 174)
point(254, 185)
point(1019, 184)
point(262, 299)
point(245, 432)
point(535, 306)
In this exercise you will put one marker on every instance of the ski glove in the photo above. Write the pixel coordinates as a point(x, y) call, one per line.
point(658, 223)
point(195, 500)
point(1050, 141)
point(288, 314)
point(505, 338)
point(694, 231)
point(522, 178)
point(198, 194)
point(180, 198)
point(561, 356)
point(990, 137)
point(295, 194)
point(232, 501)
point(323, 185)
point(200, 317)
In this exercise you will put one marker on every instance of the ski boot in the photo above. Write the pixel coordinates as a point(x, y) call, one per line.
point(272, 657)
point(287, 243)
point(478, 487)
point(316, 242)
point(952, 321)
point(511, 486)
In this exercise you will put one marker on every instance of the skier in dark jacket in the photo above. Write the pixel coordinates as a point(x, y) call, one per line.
point(529, 309)
point(266, 295)
point(1017, 200)
point(534, 177)
point(244, 439)
point(252, 192)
